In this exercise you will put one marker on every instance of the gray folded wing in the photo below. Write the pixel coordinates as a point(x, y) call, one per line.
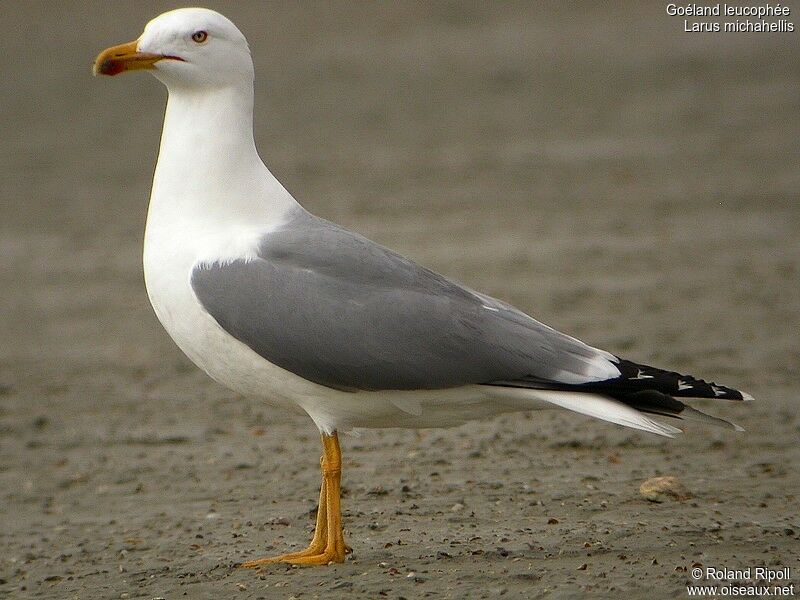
point(337, 309)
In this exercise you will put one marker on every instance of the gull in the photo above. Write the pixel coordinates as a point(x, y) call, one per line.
point(276, 303)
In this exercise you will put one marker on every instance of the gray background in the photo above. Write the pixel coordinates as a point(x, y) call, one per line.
point(631, 184)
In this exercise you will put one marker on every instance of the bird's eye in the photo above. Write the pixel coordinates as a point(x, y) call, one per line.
point(199, 36)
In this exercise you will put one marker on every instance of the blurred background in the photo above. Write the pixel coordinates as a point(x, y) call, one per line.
point(621, 180)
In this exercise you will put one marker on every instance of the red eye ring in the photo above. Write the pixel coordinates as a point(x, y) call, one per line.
point(199, 36)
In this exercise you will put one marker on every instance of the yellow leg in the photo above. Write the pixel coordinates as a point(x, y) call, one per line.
point(327, 545)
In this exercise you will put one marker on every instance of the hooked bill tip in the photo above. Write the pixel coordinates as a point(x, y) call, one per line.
point(108, 66)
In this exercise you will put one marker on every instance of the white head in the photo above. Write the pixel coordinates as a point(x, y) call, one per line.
point(192, 48)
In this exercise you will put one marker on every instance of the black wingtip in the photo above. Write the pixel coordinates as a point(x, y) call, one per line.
point(637, 377)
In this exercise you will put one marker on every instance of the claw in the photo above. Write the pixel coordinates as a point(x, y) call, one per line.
point(328, 545)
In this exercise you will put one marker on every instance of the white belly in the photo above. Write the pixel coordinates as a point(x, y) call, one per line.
point(168, 263)
point(212, 200)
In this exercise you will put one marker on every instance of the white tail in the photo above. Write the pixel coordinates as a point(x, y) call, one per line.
point(607, 409)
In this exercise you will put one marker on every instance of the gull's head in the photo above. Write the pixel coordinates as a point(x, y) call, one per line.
point(185, 48)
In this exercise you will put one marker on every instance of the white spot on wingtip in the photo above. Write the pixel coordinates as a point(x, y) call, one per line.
point(682, 385)
point(746, 397)
point(641, 375)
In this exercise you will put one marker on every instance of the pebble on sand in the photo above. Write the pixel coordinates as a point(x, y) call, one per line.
point(660, 489)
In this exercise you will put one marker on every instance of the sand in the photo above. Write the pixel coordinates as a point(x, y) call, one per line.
point(631, 184)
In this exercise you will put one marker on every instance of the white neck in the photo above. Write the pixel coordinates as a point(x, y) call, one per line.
point(208, 167)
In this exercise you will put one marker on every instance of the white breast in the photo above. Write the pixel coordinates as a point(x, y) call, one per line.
point(170, 254)
point(212, 200)
point(169, 257)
